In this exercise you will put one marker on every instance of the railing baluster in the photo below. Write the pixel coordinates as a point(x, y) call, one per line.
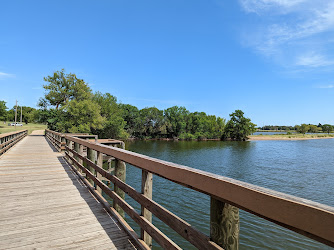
point(70, 146)
point(91, 155)
point(99, 162)
point(80, 151)
point(146, 189)
point(120, 173)
point(62, 145)
point(224, 224)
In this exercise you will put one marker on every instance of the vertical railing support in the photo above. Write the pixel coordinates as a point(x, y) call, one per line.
point(146, 189)
point(91, 155)
point(120, 173)
point(224, 224)
point(76, 149)
point(69, 144)
point(80, 151)
point(99, 162)
point(63, 143)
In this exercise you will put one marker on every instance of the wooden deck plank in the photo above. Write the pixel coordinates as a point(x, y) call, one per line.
point(45, 205)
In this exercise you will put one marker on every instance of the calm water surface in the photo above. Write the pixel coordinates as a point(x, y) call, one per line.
point(300, 168)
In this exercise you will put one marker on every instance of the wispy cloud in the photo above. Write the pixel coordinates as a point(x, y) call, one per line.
point(330, 86)
point(3, 75)
point(297, 32)
point(259, 6)
point(313, 60)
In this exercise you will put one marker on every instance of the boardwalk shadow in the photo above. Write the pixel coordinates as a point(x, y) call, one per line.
point(50, 144)
point(95, 206)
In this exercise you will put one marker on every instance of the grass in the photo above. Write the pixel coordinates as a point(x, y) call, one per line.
point(4, 128)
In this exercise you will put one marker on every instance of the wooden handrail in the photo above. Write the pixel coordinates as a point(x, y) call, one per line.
point(12, 133)
point(305, 217)
point(8, 140)
point(195, 237)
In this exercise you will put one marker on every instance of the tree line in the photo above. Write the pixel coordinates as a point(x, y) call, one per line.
point(302, 128)
point(70, 106)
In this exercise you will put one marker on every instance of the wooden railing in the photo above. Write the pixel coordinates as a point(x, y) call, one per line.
point(8, 140)
point(305, 217)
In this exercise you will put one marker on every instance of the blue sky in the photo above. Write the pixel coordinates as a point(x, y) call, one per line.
point(273, 59)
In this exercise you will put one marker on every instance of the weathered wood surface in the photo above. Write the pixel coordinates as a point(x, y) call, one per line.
point(45, 205)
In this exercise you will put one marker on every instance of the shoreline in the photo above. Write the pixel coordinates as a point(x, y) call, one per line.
point(284, 138)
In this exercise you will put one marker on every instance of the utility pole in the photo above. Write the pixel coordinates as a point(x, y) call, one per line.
point(15, 114)
point(21, 116)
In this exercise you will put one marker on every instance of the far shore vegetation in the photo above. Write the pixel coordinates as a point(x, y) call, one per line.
point(70, 106)
point(290, 136)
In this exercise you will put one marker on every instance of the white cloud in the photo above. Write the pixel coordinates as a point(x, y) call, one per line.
point(313, 60)
point(3, 74)
point(330, 86)
point(259, 6)
point(298, 32)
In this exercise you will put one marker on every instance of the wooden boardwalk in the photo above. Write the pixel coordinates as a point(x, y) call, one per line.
point(43, 203)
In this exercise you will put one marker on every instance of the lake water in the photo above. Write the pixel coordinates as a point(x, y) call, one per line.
point(301, 168)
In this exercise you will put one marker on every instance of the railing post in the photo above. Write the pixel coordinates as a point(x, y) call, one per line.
point(69, 144)
point(99, 162)
point(224, 224)
point(146, 189)
point(63, 143)
point(80, 151)
point(120, 173)
point(76, 149)
point(91, 155)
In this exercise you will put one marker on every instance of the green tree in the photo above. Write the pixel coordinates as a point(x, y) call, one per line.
point(296, 127)
point(238, 127)
point(199, 125)
point(327, 128)
point(313, 129)
point(176, 120)
point(62, 88)
point(130, 114)
point(303, 128)
point(79, 117)
point(68, 105)
point(3, 111)
point(114, 124)
point(152, 122)
point(27, 114)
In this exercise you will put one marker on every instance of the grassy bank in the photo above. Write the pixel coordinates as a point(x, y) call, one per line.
point(4, 128)
point(291, 137)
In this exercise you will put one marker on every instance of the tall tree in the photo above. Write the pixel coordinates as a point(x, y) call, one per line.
point(176, 120)
point(62, 88)
point(79, 117)
point(3, 111)
point(27, 114)
point(303, 128)
point(152, 122)
point(313, 129)
point(327, 128)
point(114, 124)
point(130, 114)
point(238, 128)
